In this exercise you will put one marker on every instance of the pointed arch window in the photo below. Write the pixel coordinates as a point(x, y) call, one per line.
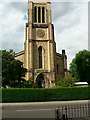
point(40, 56)
point(43, 15)
point(39, 14)
point(35, 14)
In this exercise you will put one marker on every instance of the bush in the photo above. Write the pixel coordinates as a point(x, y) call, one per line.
point(42, 94)
point(67, 81)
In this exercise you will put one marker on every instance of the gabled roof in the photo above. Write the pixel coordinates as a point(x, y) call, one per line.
point(19, 53)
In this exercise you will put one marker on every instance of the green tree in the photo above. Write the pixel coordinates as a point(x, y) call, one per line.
point(80, 66)
point(73, 69)
point(12, 70)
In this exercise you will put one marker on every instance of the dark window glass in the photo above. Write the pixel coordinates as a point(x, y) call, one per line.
point(39, 14)
point(40, 56)
point(35, 14)
point(43, 15)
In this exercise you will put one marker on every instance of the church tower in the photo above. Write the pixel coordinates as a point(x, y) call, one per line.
point(40, 46)
point(43, 64)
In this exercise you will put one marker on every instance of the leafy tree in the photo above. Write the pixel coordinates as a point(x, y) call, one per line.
point(12, 70)
point(80, 66)
point(73, 69)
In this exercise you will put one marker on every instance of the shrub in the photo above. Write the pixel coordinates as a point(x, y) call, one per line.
point(42, 94)
point(67, 81)
point(29, 83)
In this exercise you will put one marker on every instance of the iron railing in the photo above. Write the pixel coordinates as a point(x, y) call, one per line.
point(73, 112)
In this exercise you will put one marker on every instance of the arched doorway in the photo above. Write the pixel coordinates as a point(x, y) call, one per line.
point(40, 81)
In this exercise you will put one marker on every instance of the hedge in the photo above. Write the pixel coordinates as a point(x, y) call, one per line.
point(41, 94)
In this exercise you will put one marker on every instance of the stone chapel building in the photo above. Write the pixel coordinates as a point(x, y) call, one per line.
point(44, 65)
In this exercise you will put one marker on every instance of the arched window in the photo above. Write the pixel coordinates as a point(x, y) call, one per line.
point(39, 14)
point(43, 15)
point(35, 14)
point(40, 56)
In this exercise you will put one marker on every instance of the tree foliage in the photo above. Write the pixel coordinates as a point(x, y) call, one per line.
point(80, 66)
point(12, 70)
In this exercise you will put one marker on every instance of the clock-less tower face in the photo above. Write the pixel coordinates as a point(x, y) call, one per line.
point(40, 33)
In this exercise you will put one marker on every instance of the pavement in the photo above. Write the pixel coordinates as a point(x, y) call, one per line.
point(50, 102)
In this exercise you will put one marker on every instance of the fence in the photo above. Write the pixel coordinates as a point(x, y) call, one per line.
point(73, 112)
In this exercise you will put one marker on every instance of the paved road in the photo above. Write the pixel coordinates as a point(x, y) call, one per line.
point(35, 110)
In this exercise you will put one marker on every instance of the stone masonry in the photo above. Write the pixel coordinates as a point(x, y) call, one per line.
point(44, 65)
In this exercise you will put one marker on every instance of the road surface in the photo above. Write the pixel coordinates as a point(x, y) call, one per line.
point(36, 109)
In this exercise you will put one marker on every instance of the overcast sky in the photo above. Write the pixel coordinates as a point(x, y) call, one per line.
point(70, 20)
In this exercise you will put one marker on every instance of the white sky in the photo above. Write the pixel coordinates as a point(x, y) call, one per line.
point(70, 20)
